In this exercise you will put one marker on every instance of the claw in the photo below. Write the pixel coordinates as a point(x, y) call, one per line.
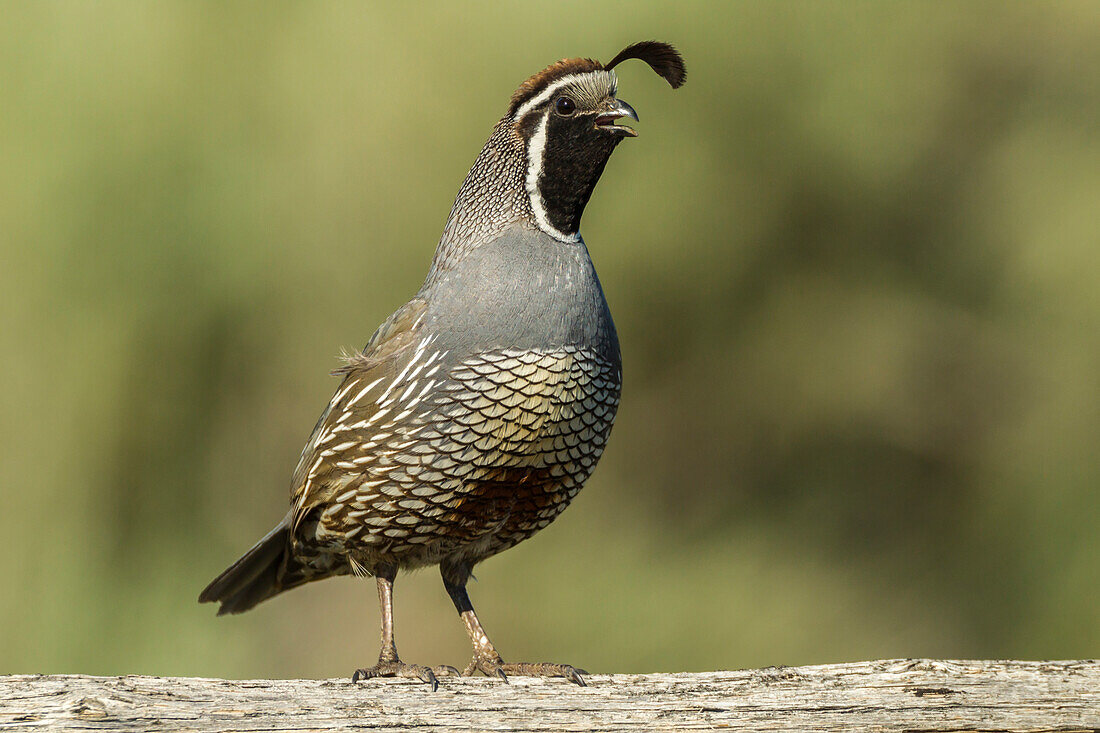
point(428, 676)
point(446, 670)
point(504, 677)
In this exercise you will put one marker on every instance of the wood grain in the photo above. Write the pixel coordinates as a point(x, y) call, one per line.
point(888, 695)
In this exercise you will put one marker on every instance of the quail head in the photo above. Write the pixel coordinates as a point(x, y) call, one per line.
point(476, 411)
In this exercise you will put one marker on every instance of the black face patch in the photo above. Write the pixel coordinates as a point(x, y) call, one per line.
point(572, 162)
point(530, 122)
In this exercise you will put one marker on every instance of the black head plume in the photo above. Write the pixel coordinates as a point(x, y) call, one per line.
point(661, 57)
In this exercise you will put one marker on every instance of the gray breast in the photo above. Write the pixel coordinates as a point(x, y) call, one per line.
point(524, 290)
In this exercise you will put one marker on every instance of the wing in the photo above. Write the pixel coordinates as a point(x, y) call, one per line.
point(367, 376)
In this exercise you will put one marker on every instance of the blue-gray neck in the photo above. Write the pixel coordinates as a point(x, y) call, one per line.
point(524, 289)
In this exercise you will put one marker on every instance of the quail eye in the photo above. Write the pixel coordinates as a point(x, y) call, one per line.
point(565, 106)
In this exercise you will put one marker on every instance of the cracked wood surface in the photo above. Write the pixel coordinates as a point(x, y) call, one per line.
point(888, 695)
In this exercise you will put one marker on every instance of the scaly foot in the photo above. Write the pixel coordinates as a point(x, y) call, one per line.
point(497, 668)
point(397, 668)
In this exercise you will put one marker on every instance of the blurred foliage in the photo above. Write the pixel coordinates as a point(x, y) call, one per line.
point(853, 264)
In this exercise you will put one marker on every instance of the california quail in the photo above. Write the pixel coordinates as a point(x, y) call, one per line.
point(477, 411)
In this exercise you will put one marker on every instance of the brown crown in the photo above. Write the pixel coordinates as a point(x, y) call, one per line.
point(547, 76)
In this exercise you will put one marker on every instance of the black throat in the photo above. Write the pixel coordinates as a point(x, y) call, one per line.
point(573, 158)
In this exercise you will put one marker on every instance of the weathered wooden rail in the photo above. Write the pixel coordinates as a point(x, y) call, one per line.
point(889, 695)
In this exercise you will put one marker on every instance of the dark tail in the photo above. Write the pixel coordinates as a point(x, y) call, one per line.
point(253, 578)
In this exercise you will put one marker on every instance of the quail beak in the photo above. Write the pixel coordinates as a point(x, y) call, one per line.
point(617, 109)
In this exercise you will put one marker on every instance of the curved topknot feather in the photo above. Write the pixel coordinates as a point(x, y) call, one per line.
point(661, 57)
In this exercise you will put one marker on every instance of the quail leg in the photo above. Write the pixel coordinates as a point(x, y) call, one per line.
point(486, 659)
point(389, 665)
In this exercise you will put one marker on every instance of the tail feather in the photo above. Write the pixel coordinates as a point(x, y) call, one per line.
point(254, 577)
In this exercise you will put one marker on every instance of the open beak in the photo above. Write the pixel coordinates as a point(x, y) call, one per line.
point(617, 110)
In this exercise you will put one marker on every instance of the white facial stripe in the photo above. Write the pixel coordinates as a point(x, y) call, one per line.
point(549, 91)
point(535, 150)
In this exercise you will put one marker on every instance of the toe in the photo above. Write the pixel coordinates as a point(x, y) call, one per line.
point(364, 674)
point(569, 672)
point(398, 669)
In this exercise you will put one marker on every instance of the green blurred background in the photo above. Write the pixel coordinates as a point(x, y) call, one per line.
point(854, 264)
